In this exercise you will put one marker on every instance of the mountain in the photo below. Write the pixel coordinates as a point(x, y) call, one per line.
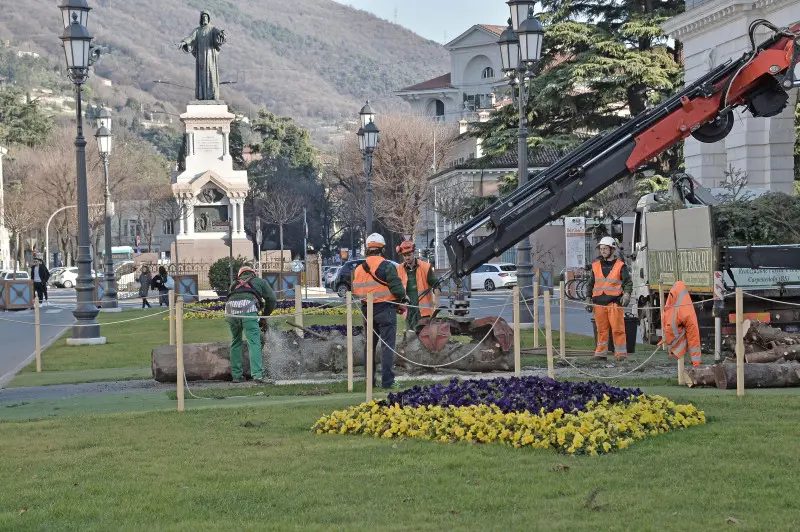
point(315, 60)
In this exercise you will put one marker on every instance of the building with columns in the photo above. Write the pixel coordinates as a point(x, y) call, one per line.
point(470, 86)
point(712, 32)
point(5, 243)
point(209, 192)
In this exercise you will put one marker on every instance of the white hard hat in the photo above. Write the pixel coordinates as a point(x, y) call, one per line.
point(608, 241)
point(375, 240)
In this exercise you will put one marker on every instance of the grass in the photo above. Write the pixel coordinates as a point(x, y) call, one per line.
point(257, 466)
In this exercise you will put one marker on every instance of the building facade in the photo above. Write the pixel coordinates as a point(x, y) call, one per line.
point(470, 86)
point(712, 32)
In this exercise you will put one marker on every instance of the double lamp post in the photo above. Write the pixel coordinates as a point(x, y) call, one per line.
point(520, 50)
point(80, 55)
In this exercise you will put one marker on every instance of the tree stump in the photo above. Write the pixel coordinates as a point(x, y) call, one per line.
point(769, 375)
point(700, 376)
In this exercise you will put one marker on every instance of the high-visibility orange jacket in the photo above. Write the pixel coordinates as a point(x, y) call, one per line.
point(679, 322)
point(422, 271)
point(366, 280)
point(607, 286)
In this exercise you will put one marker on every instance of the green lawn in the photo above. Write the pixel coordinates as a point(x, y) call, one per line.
point(253, 464)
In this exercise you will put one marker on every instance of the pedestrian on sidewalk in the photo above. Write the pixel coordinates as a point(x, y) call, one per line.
point(40, 276)
point(163, 282)
point(144, 286)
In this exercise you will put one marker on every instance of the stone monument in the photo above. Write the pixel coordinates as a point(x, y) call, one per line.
point(210, 192)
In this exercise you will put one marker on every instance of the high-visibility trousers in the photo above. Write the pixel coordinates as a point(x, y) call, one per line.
point(613, 317)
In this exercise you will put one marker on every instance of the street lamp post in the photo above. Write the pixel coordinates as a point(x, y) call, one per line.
point(103, 137)
point(79, 54)
point(367, 142)
point(520, 48)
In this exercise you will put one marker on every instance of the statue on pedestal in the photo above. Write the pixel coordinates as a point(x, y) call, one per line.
point(204, 44)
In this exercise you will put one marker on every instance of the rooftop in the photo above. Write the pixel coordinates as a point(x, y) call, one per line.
point(442, 82)
point(541, 157)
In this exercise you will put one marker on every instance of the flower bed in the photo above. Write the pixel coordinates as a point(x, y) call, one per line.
point(576, 418)
point(211, 309)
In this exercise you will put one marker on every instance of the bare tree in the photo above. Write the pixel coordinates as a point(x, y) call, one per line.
point(452, 200)
point(617, 200)
point(280, 208)
point(171, 210)
point(20, 216)
point(411, 149)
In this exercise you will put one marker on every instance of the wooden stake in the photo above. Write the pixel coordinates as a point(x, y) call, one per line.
point(38, 334)
point(349, 341)
point(368, 338)
point(739, 343)
point(548, 334)
point(562, 331)
point(171, 298)
point(517, 335)
point(179, 350)
point(298, 308)
point(535, 305)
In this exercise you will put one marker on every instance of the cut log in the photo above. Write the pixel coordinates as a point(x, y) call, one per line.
point(700, 376)
point(770, 375)
point(776, 354)
point(472, 356)
point(763, 334)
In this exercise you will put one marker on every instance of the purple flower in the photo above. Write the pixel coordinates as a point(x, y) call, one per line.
point(513, 394)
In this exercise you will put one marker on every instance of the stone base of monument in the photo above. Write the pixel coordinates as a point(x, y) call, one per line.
point(288, 356)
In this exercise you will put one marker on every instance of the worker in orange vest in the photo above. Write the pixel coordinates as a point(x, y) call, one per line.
point(421, 281)
point(609, 291)
point(379, 277)
point(679, 323)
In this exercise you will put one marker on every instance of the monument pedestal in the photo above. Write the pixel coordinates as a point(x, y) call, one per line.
point(210, 192)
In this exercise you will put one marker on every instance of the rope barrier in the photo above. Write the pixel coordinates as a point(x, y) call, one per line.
point(637, 368)
point(771, 300)
point(91, 325)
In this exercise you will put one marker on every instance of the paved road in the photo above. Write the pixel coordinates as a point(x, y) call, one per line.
point(17, 334)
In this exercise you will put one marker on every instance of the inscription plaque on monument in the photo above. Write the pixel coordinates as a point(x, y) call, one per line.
point(208, 219)
point(208, 142)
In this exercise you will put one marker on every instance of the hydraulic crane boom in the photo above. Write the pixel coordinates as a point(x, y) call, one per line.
point(703, 109)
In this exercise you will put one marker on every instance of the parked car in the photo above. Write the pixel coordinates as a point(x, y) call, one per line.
point(68, 278)
point(491, 276)
point(330, 276)
point(10, 275)
point(344, 275)
point(53, 273)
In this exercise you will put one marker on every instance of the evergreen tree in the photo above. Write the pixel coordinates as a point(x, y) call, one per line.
point(602, 61)
point(22, 120)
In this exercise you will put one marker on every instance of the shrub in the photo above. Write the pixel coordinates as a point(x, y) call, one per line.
point(219, 273)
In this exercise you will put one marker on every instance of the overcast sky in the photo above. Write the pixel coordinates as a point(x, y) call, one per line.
point(437, 20)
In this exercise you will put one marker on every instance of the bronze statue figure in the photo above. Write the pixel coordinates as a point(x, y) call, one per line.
point(204, 44)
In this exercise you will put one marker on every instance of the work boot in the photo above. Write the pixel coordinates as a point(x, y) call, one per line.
point(601, 356)
point(621, 357)
point(263, 380)
point(237, 380)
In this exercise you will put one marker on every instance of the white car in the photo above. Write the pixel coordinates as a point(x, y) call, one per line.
point(10, 275)
point(491, 276)
point(68, 277)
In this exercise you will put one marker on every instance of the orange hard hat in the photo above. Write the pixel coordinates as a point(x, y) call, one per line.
point(406, 247)
point(245, 269)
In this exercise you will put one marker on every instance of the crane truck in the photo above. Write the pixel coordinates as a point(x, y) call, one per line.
point(670, 244)
point(703, 109)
